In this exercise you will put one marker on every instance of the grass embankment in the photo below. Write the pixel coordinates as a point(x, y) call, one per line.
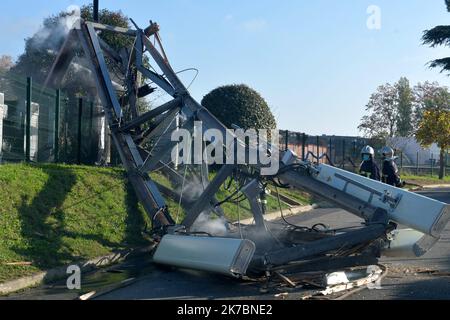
point(53, 215)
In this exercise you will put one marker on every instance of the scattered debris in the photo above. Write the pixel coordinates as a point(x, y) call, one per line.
point(283, 295)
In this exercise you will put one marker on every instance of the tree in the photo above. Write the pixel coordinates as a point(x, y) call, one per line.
point(435, 128)
point(405, 99)
point(6, 63)
point(383, 115)
point(41, 49)
point(439, 36)
point(239, 105)
point(430, 96)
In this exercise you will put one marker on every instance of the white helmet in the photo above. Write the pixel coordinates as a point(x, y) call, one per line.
point(368, 150)
point(388, 152)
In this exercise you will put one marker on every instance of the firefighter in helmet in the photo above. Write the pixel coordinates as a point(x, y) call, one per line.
point(368, 166)
point(391, 174)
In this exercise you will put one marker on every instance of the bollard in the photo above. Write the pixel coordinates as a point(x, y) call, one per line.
point(28, 120)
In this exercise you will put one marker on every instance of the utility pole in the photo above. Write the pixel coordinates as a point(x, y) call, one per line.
point(96, 10)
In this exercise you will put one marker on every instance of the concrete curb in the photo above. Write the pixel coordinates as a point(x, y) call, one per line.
point(418, 187)
point(436, 186)
point(287, 213)
point(61, 272)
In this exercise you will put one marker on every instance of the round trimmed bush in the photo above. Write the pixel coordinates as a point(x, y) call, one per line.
point(240, 105)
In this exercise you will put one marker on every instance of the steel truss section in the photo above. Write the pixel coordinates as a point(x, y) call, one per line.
point(143, 143)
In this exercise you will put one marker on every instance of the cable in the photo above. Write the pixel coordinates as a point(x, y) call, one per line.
point(181, 194)
point(195, 77)
point(283, 217)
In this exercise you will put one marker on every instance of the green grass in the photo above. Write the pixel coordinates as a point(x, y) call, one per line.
point(51, 215)
point(231, 210)
point(301, 197)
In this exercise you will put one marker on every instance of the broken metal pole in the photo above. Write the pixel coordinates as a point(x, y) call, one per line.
point(319, 247)
point(151, 114)
point(345, 201)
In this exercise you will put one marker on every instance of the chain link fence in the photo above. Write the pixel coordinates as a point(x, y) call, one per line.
point(344, 152)
point(42, 125)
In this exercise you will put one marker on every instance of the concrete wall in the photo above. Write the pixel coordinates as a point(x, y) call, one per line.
point(34, 137)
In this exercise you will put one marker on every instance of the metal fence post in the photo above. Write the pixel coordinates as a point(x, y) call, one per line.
point(80, 113)
point(343, 153)
point(28, 120)
point(57, 124)
point(287, 139)
point(401, 161)
point(446, 163)
point(303, 146)
point(330, 150)
point(432, 164)
point(417, 164)
point(318, 149)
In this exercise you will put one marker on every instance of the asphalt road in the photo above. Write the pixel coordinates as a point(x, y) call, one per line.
point(424, 278)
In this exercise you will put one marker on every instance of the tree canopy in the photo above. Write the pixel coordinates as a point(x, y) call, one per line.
point(6, 63)
point(405, 108)
point(429, 96)
point(384, 114)
point(397, 110)
point(435, 128)
point(41, 48)
point(240, 105)
point(439, 36)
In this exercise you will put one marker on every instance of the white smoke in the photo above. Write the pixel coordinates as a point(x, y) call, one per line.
point(50, 37)
point(215, 227)
point(192, 189)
